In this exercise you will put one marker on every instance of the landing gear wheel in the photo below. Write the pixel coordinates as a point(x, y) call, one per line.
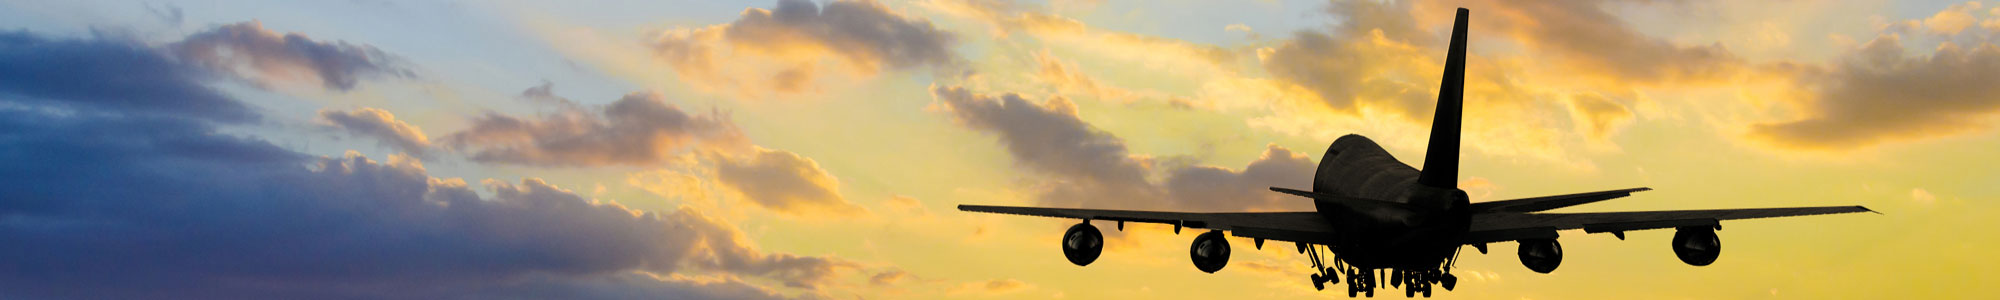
point(1319, 283)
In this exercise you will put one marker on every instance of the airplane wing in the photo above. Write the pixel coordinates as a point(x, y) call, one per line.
point(1304, 226)
point(1490, 227)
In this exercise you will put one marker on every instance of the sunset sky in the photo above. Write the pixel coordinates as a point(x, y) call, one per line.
point(793, 149)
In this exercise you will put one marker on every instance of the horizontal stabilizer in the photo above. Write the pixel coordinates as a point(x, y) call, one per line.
point(1552, 202)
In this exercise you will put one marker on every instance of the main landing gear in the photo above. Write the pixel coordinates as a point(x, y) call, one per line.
point(1363, 282)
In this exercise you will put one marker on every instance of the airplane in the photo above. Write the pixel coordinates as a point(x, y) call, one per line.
point(1378, 217)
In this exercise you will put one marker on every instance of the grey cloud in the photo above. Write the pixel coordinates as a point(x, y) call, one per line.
point(864, 32)
point(1583, 31)
point(1087, 167)
point(638, 129)
point(1878, 94)
point(1212, 188)
point(1348, 67)
point(270, 56)
point(380, 125)
point(1092, 165)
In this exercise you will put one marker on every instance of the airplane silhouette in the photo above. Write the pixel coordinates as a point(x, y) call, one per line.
point(1381, 218)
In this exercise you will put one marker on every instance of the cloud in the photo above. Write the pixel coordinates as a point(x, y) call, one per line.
point(169, 13)
point(1068, 78)
point(250, 51)
point(642, 130)
point(1087, 167)
point(201, 214)
point(101, 75)
point(989, 287)
point(890, 277)
point(1922, 196)
point(1954, 19)
point(1878, 94)
point(1155, 53)
point(786, 183)
point(204, 215)
point(1584, 35)
point(1213, 188)
point(1091, 165)
point(380, 125)
point(1597, 115)
point(638, 129)
point(782, 49)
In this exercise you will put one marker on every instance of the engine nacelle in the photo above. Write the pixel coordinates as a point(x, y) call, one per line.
point(1082, 244)
point(1697, 246)
point(1541, 255)
point(1210, 251)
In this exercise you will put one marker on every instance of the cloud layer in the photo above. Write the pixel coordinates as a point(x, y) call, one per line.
point(200, 214)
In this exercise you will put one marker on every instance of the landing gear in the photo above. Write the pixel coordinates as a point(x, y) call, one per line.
point(1363, 282)
point(1326, 273)
point(1419, 282)
point(1360, 282)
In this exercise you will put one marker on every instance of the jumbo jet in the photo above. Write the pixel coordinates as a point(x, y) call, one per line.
point(1382, 220)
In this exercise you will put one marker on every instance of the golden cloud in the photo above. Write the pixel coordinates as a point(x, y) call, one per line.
point(380, 125)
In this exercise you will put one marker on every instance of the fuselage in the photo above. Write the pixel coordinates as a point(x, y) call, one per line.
point(1418, 227)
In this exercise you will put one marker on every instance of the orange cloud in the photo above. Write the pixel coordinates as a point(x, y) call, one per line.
point(1597, 115)
point(785, 183)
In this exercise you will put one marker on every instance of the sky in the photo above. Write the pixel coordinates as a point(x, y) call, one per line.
point(796, 149)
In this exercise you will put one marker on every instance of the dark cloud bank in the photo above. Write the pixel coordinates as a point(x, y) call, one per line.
point(118, 186)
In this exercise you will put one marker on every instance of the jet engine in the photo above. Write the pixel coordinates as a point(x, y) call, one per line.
point(1210, 251)
point(1697, 246)
point(1082, 243)
point(1541, 255)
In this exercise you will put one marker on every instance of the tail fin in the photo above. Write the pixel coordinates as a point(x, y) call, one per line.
point(1441, 160)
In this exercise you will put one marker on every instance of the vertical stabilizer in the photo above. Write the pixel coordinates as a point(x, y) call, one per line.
point(1441, 159)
